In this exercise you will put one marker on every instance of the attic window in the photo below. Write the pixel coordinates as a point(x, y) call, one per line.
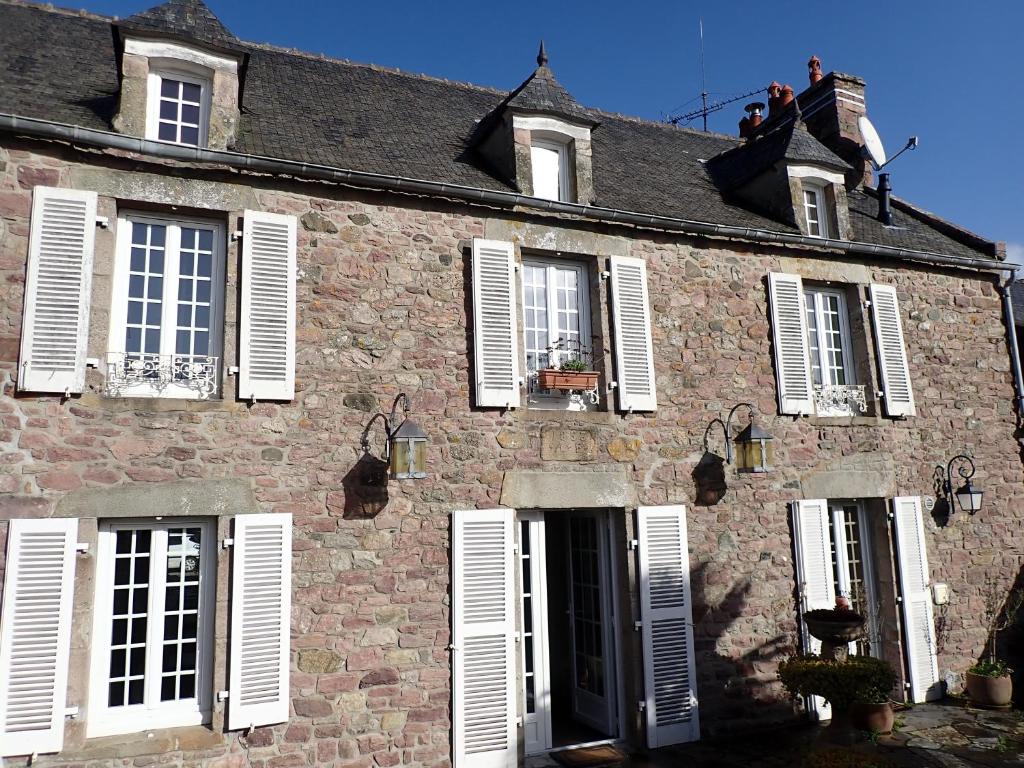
point(816, 210)
point(178, 108)
point(550, 162)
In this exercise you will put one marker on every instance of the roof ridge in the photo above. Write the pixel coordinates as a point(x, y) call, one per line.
point(51, 8)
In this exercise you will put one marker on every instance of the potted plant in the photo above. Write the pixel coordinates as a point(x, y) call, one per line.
point(841, 684)
point(872, 711)
point(988, 682)
point(573, 373)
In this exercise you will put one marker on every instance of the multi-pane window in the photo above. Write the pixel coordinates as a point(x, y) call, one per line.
point(828, 337)
point(816, 211)
point(180, 111)
point(165, 330)
point(556, 316)
point(153, 626)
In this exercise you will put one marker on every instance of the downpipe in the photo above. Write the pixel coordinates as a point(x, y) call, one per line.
point(1011, 341)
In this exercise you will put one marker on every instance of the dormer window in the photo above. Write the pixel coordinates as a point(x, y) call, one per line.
point(550, 163)
point(178, 110)
point(816, 210)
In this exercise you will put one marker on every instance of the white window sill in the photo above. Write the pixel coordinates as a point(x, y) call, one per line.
point(136, 719)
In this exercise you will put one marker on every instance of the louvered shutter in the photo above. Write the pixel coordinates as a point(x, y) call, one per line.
point(816, 586)
point(916, 599)
point(892, 352)
point(483, 639)
point(35, 637)
point(667, 623)
point(55, 328)
point(495, 324)
point(789, 331)
point(261, 569)
point(631, 321)
point(266, 359)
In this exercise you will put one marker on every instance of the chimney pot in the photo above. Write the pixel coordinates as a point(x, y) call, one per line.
point(814, 69)
point(753, 111)
point(786, 97)
point(745, 129)
point(773, 98)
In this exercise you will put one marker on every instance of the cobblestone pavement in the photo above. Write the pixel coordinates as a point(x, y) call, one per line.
point(943, 735)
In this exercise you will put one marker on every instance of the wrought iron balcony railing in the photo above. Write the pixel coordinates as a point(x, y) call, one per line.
point(841, 400)
point(142, 373)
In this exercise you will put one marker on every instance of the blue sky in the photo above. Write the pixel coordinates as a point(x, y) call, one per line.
point(948, 72)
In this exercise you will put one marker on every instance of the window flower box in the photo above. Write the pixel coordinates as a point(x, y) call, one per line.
point(552, 378)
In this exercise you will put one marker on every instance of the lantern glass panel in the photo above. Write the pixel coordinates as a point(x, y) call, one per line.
point(754, 455)
point(399, 458)
point(419, 458)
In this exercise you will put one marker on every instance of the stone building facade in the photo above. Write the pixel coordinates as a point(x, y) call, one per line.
point(387, 301)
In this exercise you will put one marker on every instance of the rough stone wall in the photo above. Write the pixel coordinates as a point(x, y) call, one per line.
point(383, 308)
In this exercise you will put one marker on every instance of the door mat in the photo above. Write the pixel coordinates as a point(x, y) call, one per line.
point(590, 757)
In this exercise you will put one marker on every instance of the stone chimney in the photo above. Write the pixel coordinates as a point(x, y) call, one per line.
point(830, 108)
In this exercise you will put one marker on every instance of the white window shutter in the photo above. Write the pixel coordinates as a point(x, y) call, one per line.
point(667, 621)
point(55, 329)
point(495, 324)
point(892, 352)
point(35, 637)
point(631, 321)
point(789, 331)
point(815, 583)
point(483, 639)
point(266, 358)
point(916, 599)
point(261, 573)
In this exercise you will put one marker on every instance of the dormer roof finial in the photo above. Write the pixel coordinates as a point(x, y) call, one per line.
point(542, 56)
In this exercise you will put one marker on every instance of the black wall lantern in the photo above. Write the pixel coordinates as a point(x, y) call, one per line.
point(406, 449)
point(753, 452)
point(968, 496)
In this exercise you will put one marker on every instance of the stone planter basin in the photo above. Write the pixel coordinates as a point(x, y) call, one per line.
point(836, 627)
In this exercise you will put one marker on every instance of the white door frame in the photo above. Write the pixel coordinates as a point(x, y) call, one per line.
point(836, 512)
point(537, 732)
point(537, 724)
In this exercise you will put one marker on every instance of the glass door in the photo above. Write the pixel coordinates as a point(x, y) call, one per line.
point(536, 701)
point(851, 563)
point(590, 614)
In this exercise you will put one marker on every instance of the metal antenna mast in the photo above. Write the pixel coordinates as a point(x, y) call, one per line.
point(703, 81)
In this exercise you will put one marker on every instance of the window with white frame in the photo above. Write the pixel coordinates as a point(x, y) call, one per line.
point(816, 210)
point(167, 310)
point(549, 160)
point(556, 325)
point(153, 626)
point(830, 350)
point(178, 108)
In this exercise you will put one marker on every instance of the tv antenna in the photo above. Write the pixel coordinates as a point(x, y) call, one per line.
point(703, 79)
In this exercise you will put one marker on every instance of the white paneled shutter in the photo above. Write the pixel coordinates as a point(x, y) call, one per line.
point(789, 331)
point(483, 638)
point(631, 321)
point(916, 599)
point(261, 569)
point(892, 352)
point(35, 636)
point(55, 328)
point(816, 587)
point(266, 358)
point(667, 623)
point(495, 326)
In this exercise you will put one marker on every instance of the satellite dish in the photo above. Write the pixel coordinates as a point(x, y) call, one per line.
point(872, 143)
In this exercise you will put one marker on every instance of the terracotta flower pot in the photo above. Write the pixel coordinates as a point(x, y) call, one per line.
point(989, 691)
point(877, 718)
point(552, 378)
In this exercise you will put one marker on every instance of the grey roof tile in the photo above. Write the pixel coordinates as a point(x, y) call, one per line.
point(307, 108)
point(190, 19)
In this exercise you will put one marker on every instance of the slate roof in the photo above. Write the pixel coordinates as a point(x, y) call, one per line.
point(1017, 297)
point(788, 140)
point(542, 93)
point(312, 109)
point(183, 19)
